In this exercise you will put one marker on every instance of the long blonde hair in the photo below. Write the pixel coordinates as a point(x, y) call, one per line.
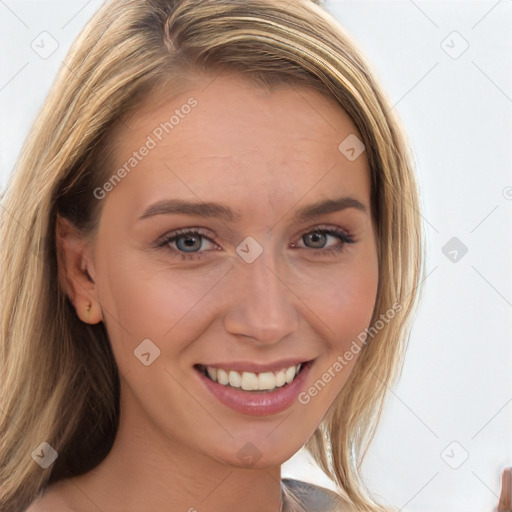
point(60, 383)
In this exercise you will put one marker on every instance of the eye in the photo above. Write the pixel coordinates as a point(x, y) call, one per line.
point(318, 238)
point(187, 243)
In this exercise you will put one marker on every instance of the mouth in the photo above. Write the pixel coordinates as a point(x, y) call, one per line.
point(262, 382)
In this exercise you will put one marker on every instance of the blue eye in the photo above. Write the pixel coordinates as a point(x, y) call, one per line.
point(192, 240)
point(321, 234)
point(189, 242)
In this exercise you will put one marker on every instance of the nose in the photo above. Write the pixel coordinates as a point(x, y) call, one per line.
point(263, 305)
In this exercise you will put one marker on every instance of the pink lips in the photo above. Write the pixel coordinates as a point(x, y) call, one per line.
point(258, 403)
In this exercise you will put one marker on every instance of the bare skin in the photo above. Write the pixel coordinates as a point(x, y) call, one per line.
point(505, 499)
point(265, 154)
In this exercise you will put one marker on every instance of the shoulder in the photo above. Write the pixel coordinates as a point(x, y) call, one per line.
point(315, 498)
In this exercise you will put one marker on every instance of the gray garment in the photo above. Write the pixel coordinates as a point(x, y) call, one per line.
point(315, 498)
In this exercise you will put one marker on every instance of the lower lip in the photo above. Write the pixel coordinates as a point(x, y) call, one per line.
point(258, 403)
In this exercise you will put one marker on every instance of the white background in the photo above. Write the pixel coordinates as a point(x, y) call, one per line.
point(454, 399)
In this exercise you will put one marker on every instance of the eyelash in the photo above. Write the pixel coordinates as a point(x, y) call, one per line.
point(183, 233)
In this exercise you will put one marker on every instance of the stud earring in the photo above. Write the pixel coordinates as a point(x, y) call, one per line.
point(89, 307)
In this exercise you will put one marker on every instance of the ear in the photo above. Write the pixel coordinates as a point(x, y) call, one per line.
point(76, 271)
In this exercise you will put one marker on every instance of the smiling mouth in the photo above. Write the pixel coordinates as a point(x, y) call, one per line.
point(250, 381)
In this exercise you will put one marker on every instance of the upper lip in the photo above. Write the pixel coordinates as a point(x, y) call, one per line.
point(251, 366)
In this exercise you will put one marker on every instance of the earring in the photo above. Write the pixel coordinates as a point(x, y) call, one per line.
point(89, 307)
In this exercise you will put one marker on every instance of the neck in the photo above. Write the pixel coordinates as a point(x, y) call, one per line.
point(146, 470)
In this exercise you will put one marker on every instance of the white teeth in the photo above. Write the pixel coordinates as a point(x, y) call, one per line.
point(280, 379)
point(290, 374)
point(212, 373)
point(235, 379)
point(266, 380)
point(222, 377)
point(250, 381)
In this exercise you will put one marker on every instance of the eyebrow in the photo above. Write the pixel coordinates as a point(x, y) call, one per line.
point(209, 209)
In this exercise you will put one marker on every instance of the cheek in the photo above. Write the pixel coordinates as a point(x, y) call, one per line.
point(345, 299)
point(350, 302)
point(345, 310)
point(142, 301)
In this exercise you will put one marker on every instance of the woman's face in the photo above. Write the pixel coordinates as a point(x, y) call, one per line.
point(258, 286)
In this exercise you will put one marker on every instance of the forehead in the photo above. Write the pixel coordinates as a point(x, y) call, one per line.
point(226, 139)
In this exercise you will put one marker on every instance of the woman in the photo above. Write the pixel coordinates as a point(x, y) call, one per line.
point(212, 252)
